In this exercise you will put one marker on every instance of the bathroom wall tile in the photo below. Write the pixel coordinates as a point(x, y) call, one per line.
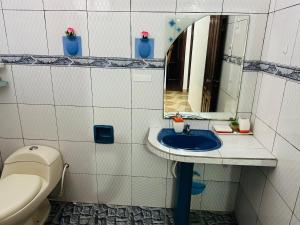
point(65, 5)
point(111, 88)
point(247, 91)
point(266, 52)
point(222, 173)
point(33, 84)
point(80, 156)
point(9, 146)
point(9, 120)
point(80, 188)
point(296, 52)
point(289, 116)
point(75, 123)
point(3, 40)
point(72, 86)
point(286, 177)
point(57, 23)
point(244, 212)
point(196, 124)
point(272, 5)
point(148, 94)
point(199, 6)
point(273, 209)
point(113, 159)
point(256, 93)
point(253, 182)
point(156, 5)
point(38, 122)
point(119, 118)
point(246, 6)
point(270, 99)
point(26, 32)
point(116, 5)
point(52, 144)
point(7, 94)
point(114, 190)
point(283, 35)
point(295, 221)
point(22, 5)
point(156, 25)
point(170, 197)
point(219, 196)
point(196, 202)
point(146, 164)
point(148, 191)
point(142, 120)
point(240, 37)
point(296, 209)
point(109, 34)
point(280, 4)
point(264, 134)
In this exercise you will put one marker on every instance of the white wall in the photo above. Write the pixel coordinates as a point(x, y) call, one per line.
point(201, 31)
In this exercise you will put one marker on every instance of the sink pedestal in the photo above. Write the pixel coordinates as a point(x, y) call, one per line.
point(183, 193)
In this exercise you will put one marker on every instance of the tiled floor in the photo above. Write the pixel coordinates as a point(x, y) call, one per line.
point(64, 213)
point(176, 101)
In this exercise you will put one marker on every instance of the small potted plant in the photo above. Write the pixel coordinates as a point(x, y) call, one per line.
point(235, 126)
point(144, 45)
point(71, 42)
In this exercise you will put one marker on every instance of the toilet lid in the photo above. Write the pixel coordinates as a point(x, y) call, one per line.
point(16, 191)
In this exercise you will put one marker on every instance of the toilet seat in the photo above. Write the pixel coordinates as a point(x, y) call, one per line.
point(16, 191)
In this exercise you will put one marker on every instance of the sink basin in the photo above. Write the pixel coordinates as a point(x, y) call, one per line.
point(195, 140)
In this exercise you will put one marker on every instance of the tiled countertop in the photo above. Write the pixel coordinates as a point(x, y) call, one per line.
point(243, 150)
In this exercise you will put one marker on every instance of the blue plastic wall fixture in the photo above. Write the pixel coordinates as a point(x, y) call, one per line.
point(197, 186)
point(104, 134)
point(72, 46)
point(144, 48)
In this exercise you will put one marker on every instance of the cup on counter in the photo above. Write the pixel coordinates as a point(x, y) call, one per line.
point(244, 125)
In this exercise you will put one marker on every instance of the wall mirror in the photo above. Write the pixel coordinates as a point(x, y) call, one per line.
point(204, 67)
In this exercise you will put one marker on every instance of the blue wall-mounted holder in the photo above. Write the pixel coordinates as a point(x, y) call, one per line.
point(104, 134)
point(72, 46)
point(144, 48)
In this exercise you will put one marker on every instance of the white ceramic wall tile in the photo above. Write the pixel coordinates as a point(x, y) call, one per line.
point(266, 52)
point(280, 4)
point(147, 164)
point(295, 221)
point(22, 5)
point(149, 192)
point(148, 94)
point(289, 117)
point(247, 92)
point(114, 190)
point(38, 122)
point(7, 94)
point(109, 34)
point(244, 212)
point(246, 6)
point(256, 93)
point(9, 120)
point(154, 5)
point(219, 196)
point(65, 5)
point(72, 86)
point(240, 37)
point(283, 35)
point(253, 182)
point(142, 120)
point(286, 177)
point(296, 52)
point(80, 156)
point(199, 5)
point(26, 32)
point(170, 198)
point(270, 98)
point(9, 146)
point(52, 144)
point(196, 124)
point(297, 208)
point(119, 118)
point(156, 25)
point(264, 134)
point(111, 88)
point(57, 23)
point(106, 5)
point(222, 173)
point(75, 123)
point(273, 209)
point(114, 159)
point(80, 188)
point(33, 84)
point(3, 40)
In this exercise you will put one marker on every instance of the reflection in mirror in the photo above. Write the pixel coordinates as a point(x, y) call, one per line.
point(204, 68)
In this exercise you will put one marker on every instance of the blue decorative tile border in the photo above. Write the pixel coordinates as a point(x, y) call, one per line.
point(101, 62)
point(233, 59)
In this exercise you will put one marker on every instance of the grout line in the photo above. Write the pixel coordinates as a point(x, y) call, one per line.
point(287, 7)
point(46, 32)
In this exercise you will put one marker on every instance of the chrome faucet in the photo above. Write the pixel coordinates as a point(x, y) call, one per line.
point(186, 128)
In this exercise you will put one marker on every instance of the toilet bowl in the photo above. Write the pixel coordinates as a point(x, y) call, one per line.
point(29, 175)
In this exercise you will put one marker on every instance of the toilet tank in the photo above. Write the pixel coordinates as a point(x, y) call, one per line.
point(43, 161)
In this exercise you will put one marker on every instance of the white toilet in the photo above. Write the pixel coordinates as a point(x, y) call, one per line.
point(29, 175)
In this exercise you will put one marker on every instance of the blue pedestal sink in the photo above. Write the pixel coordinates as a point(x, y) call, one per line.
point(194, 140)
